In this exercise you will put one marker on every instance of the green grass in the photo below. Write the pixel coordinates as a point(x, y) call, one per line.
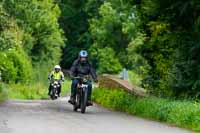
point(3, 94)
point(33, 91)
point(66, 89)
point(185, 114)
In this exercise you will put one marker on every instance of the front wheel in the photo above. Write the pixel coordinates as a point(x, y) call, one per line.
point(75, 108)
point(54, 94)
point(77, 103)
point(84, 100)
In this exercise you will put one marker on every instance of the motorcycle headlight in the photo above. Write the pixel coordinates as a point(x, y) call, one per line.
point(84, 85)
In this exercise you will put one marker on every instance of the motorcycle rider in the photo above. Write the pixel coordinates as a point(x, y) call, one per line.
point(56, 74)
point(82, 68)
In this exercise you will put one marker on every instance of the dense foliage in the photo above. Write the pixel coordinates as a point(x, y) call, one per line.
point(29, 38)
point(158, 40)
point(172, 28)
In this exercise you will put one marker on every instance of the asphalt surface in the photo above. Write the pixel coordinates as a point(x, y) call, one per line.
point(46, 116)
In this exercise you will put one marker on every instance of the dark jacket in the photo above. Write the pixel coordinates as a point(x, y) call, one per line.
point(82, 69)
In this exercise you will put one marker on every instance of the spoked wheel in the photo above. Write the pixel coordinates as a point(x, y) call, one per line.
point(77, 103)
point(83, 101)
point(53, 94)
point(52, 97)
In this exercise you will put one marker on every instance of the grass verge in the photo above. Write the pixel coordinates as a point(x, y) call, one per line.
point(33, 91)
point(185, 114)
point(3, 94)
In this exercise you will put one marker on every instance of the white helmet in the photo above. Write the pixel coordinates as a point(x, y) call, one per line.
point(57, 67)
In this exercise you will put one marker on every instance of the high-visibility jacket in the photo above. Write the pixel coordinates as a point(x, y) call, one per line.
point(56, 75)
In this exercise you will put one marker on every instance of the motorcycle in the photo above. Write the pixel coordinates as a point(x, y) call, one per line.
point(81, 95)
point(54, 89)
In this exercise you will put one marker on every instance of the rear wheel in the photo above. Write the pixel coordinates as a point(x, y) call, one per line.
point(83, 101)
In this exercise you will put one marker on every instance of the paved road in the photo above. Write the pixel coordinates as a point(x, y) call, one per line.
point(43, 116)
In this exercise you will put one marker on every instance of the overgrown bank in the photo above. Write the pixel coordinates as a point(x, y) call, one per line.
point(185, 114)
point(30, 45)
point(30, 91)
point(33, 91)
point(2, 93)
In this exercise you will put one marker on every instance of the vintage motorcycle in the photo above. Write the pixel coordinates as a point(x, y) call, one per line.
point(54, 89)
point(81, 95)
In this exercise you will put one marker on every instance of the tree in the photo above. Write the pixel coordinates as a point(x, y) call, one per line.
point(29, 37)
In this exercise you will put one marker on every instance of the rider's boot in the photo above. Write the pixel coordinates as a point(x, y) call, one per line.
point(89, 103)
point(72, 100)
point(49, 90)
point(58, 92)
point(49, 93)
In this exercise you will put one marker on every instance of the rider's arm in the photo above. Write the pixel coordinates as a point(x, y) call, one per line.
point(62, 77)
point(93, 73)
point(50, 76)
point(73, 69)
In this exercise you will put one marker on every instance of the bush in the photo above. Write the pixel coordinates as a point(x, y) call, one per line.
point(135, 78)
point(15, 67)
point(7, 68)
point(184, 114)
point(22, 65)
point(29, 34)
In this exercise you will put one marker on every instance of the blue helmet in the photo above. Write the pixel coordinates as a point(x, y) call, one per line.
point(83, 54)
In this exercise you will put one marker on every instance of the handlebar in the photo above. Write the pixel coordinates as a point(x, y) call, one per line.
point(53, 80)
